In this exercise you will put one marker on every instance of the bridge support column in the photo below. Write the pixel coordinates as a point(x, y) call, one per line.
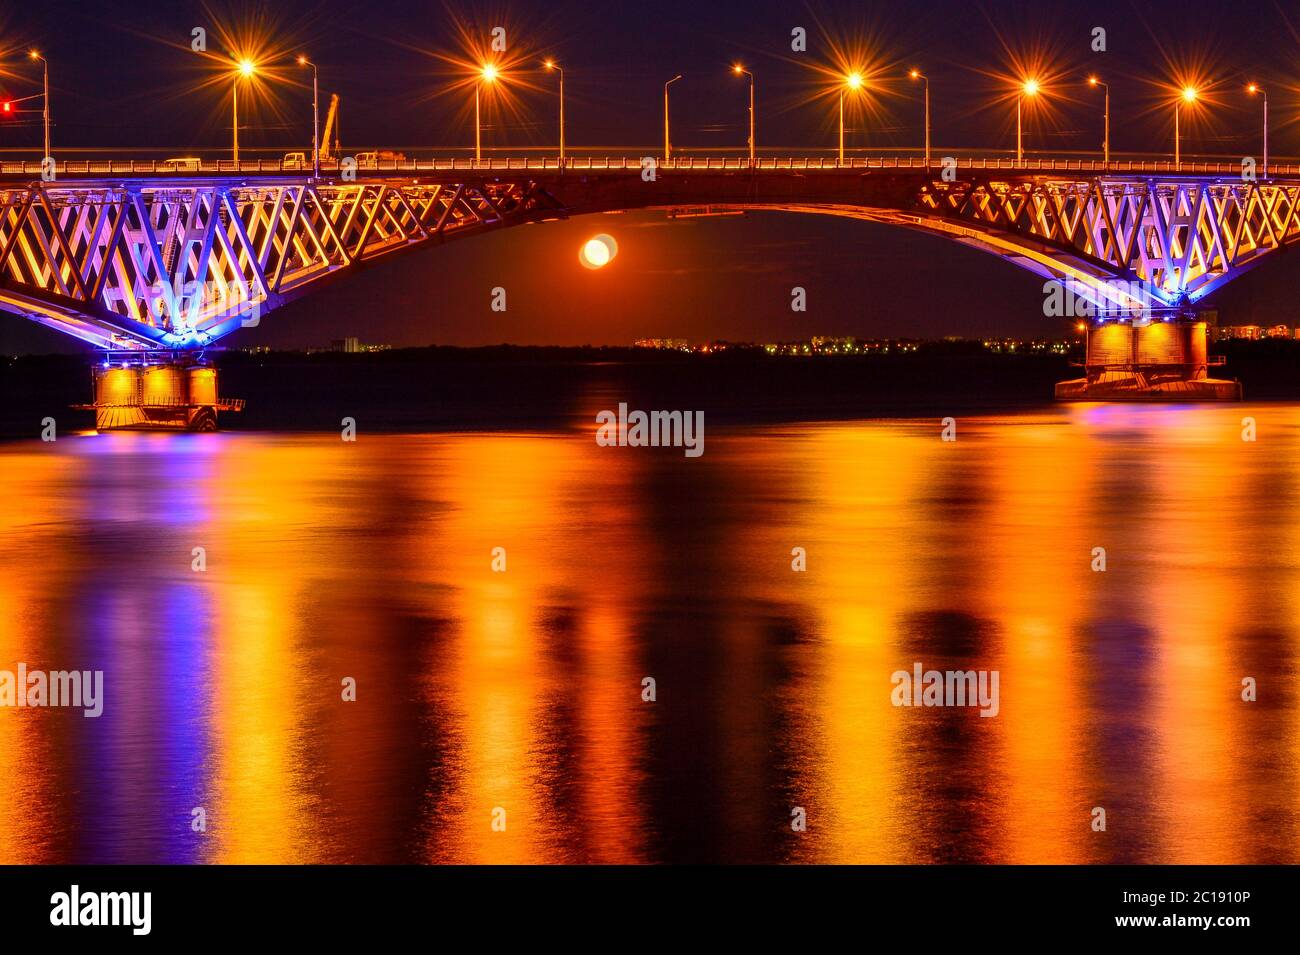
point(153, 393)
point(1161, 359)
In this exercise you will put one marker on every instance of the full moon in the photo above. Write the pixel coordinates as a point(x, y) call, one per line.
point(597, 252)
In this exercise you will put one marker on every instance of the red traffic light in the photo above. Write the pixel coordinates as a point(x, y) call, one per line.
point(8, 107)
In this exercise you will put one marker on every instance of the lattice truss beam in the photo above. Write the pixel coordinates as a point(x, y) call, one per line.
point(1178, 240)
point(179, 265)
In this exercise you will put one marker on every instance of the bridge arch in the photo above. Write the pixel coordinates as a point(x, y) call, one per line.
point(178, 263)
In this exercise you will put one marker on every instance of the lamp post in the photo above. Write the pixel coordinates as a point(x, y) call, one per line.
point(741, 71)
point(486, 75)
point(315, 116)
point(246, 69)
point(918, 75)
point(1188, 96)
point(851, 82)
point(552, 66)
point(45, 101)
point(668, 146)
point(1105, 137)
point(1252, 89)
point(1028, 88)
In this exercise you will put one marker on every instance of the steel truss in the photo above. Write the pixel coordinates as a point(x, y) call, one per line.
point(180, 264)
point(1178, 239)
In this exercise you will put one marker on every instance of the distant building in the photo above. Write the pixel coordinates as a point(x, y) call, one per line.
point(829, 344)
point(671, 344)
point(352, 345)
point(1238, 331)
point(720, 345)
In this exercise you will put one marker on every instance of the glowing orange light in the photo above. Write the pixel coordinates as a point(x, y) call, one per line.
point(489, 73)
point(1189, 94)
point(1252, 88)
point(35, 54)
point(1092, 81)
point(1030, 87)
point(1080, 327)
point(915, 74)
point(247, 67)
point(854, 81)
point(549, 64)
point(302, 61)
point(598, 251)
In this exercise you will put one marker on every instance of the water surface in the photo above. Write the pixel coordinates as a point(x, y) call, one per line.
point(522, 690)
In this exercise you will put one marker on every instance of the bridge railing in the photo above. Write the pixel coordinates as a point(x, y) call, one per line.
point(228, 167)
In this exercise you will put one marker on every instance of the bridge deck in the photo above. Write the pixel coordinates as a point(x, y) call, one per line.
point(99, 168)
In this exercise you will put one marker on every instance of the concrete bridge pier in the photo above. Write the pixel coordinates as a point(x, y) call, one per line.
point(152, 392)
point(1157, 359)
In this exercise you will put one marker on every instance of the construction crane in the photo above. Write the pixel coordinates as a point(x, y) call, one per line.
point(331, 126)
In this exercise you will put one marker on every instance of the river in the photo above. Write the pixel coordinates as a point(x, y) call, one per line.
point(501, 710)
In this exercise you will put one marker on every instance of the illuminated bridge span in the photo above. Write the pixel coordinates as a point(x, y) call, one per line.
point(175, 259)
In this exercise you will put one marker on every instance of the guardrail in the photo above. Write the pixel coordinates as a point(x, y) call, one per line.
point(1211, 361)
point(221, 404)
point(218, 167)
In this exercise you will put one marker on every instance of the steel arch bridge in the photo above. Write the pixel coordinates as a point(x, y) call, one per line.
point(176, 262)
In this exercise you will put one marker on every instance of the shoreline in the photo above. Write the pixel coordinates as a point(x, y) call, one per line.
point(523, 388)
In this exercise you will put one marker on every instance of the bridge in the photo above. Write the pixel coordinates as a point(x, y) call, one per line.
point(131, 255)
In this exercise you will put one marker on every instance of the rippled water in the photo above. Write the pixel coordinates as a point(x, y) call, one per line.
point(522, 690)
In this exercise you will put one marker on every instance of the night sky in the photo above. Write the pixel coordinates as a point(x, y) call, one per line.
point(124, 78)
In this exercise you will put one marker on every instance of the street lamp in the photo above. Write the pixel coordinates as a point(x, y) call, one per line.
point(1252, 89)
point(1030, 88)
point(315, 116)
point(1188, 96)
point(854, 82)
point(488, 74)
point(741, 71)
point(1105, 139)
point(668, 146)
point(35, 55)
point(244, 69)
point(918, 75)
point(552, 66)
